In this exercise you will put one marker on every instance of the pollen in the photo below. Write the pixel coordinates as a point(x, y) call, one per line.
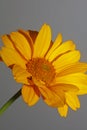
point(41, 69)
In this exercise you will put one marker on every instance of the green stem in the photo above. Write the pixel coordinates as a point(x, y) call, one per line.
point(9, 102)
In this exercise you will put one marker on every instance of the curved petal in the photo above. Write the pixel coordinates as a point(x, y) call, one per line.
point(63, 110)
point(72, 100)
point(30, 94)
point(29, 38)
point(77, 79)
point(64, 87)
point(63, 48)
point(7, 42)
point(52, 98)
point(55, 45)
point(74, 68)
point(66, 60)
point(11, 57)
point(42, 41)
point(20, 74)
point(21, 43)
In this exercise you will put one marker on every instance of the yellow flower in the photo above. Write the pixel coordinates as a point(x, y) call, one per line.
point(50, 70)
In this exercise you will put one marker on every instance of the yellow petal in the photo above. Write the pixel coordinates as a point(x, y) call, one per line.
point(66, 60)
point(42, 41)
point(10, 57)
point(29, 38)
point(57, 41)
point(74, 68)
point(65, 87)
point(63, 110)
point(7, 42)
point(20, 74)
point(82, 91)
point(63, 48)
point(30, 95)
point(72, 100)
point(52, 98)
point(55, 45)
point(77, 79)
point(22, 44)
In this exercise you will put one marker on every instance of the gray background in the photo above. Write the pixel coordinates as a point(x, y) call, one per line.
point(66, 16)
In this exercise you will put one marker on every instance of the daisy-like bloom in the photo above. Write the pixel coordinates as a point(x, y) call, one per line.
point(46, 69)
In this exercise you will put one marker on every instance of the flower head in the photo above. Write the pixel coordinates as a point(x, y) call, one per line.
point(48, 69)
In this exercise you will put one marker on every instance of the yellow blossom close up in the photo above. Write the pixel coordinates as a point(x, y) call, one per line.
point(46, 69)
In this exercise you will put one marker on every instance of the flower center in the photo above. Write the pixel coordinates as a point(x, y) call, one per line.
point(41, 69)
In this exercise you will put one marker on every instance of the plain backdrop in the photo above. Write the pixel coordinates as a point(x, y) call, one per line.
point(66, 16)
